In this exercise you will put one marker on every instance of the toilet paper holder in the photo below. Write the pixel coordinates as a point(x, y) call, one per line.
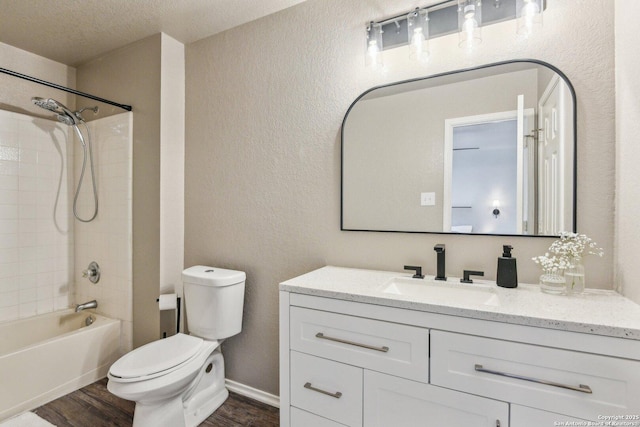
point(178, 300)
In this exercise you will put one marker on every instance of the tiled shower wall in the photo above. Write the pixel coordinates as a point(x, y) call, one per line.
point(107, 239)
point(36, 230)
point(43, 250)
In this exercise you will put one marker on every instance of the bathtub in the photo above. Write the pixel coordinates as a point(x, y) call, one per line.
point(47, 356)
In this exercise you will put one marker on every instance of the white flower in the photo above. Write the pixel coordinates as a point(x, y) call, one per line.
point(567, 252)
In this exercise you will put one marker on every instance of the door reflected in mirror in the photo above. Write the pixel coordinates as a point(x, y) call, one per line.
point(489, 150)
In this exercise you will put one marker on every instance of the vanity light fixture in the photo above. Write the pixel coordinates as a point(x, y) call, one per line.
point(529, 14)
point(466, 17)
point(496, 206)
point(469, 23)
point(418, 35)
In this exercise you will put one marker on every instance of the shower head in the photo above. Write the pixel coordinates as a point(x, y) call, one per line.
point(47, 104)
point(64, 115)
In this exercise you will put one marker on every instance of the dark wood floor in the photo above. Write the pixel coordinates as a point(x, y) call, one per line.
point(94, 406)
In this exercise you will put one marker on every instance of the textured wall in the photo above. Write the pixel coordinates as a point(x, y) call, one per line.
point(627, 268)
point(265, 103)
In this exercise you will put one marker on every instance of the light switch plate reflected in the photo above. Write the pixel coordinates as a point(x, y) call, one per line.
point(427, 199)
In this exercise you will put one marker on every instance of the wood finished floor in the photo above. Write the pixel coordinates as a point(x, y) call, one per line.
point(94, 406)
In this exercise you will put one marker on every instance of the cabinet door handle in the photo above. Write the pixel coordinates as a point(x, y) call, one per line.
point(383, 349)
point(337, 394)
point(581, 388)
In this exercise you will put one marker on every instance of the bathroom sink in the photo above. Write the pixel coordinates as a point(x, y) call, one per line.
point(441, 292)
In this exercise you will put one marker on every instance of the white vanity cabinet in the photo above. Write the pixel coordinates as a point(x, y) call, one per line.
point(357, 371)
point(347, 360)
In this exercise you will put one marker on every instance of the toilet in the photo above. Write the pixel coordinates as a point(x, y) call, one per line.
point(179, 381)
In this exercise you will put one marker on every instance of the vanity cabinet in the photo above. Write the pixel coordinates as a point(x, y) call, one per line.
point(369, 363)
point(358, 371)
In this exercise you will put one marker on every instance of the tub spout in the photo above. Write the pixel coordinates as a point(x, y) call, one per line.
point(86, 305)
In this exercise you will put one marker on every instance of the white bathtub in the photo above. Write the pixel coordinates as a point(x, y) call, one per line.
point(48, 356)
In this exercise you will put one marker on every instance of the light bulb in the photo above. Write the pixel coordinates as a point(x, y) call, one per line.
point(373, 49)
point(469, 23)
point(418, 32)
point(373, 54)
point(530, 17)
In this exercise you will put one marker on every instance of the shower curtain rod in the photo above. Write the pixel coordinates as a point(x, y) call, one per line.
point(66, 89)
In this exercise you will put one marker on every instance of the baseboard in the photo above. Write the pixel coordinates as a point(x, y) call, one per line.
point(253, 393)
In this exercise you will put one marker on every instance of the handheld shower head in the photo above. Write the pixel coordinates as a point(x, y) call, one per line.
point(65, 115)
point(47, 104)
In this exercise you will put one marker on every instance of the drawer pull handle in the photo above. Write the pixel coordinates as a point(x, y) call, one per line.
point(383, 349)
point(337, 394)
point(581, 388)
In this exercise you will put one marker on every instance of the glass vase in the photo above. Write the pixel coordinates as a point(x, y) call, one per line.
point(574, 278)
point(552, 283)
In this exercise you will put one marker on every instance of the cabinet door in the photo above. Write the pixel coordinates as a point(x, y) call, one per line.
point(522, 416)
point(393, 401)
point(300, 418)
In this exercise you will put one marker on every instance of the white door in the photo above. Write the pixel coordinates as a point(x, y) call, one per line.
point(526, 169)
point(553, 158)
point(393, 401)
point(490, 171)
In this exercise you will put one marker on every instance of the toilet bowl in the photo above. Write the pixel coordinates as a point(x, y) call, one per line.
point(179, 381)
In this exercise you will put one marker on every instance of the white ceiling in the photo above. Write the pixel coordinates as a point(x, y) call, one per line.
point(76, 31)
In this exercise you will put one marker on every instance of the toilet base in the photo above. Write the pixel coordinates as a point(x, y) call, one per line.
point(193, 418)
point(163, 413)
point(209, 393)
point(191, 407)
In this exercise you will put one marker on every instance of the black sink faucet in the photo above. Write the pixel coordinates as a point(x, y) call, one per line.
point(417, 269)
point(439, 248)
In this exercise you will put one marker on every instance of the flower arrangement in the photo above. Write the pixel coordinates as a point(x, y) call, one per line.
point(566, 252)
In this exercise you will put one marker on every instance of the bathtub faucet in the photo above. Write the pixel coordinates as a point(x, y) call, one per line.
point(90, 304)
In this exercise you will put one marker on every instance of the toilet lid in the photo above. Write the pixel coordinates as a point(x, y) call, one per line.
point(157, 356)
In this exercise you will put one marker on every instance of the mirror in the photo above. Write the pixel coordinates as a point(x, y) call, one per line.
point(488, 150)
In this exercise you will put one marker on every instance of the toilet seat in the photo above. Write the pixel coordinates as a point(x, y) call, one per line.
point(157, 358)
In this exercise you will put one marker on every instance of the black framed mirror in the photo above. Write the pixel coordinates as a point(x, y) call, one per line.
point(489, 150)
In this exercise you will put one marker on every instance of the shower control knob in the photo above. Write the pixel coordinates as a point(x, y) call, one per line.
point(92, 273)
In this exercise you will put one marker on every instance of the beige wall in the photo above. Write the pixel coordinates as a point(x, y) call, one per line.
point(171, 174)
point(131, 75)
point(149, 76)
point(16, 93)
point(265, 103)
point(627, 267)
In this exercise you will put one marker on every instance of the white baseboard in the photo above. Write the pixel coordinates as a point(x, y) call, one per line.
point(253, 393)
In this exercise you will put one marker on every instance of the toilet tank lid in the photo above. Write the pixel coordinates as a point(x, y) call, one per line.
point(212, 276)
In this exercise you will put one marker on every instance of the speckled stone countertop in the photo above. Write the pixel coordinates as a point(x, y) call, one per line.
point(598, 312)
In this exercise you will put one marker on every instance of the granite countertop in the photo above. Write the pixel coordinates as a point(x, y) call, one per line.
point(599, 312)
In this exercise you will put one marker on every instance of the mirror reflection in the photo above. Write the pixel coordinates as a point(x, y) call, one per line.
point(489, 150)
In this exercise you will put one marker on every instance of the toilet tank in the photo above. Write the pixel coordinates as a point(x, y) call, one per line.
point(214, 300)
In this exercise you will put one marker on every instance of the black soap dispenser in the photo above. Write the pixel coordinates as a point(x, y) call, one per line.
point(507, 276)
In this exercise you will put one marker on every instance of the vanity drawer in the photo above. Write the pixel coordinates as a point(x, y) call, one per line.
point(300, 418)
point(327, 388)
point(536, 376)
point(391, 348)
